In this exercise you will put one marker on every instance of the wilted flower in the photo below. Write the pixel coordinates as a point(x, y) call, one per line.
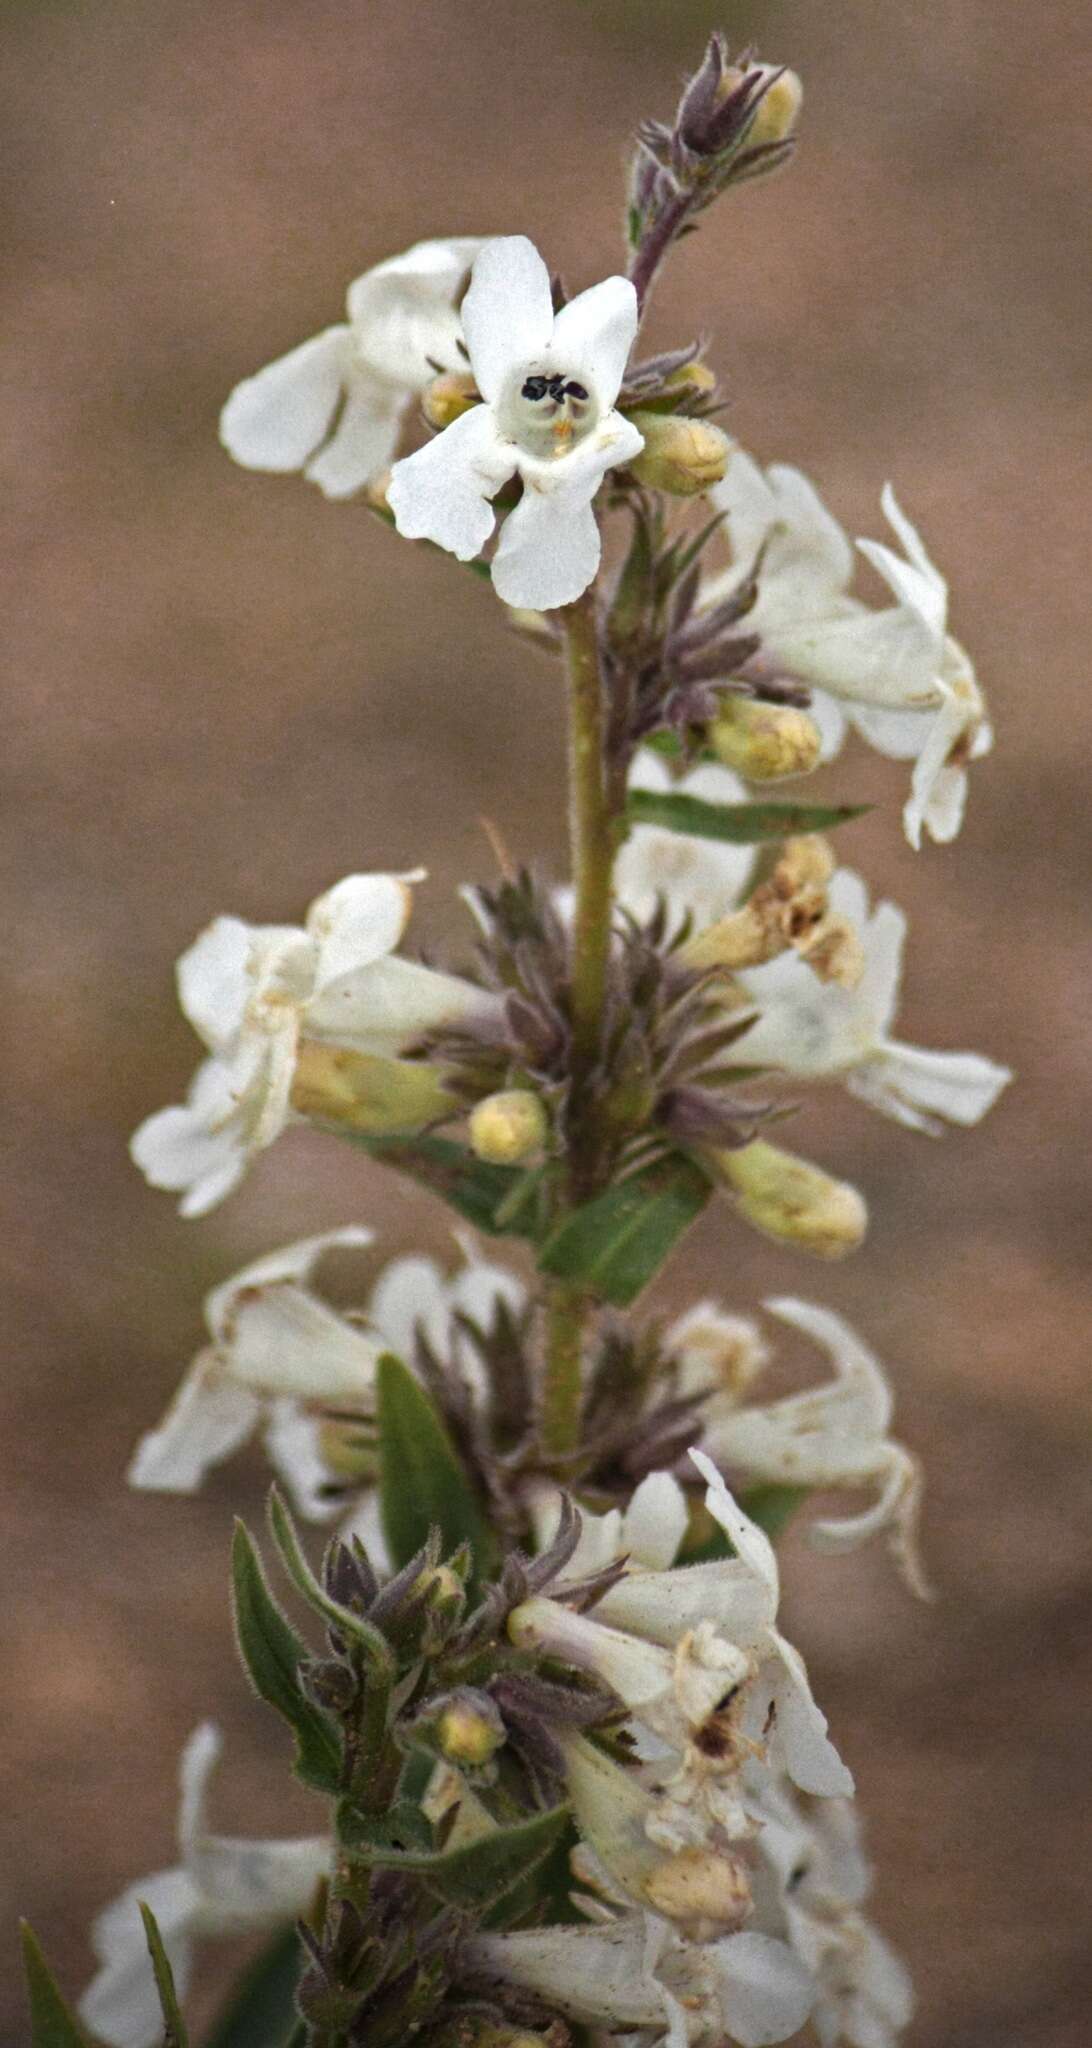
point(906, 685)
point(549, 383)
point(818, 1030)
point(833, 1435)
point(281, 1358)
point(219, 1886)
point(334, 406)
point(253, 992)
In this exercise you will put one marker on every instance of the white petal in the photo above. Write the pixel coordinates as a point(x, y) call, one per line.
point(283, 1340)
point(480, 1287)
point(656, 1521)
point(663, 1605)
point(856, 1367)
point(214, 981)
point(388, 1006)
point(404, 312)
point(590, 1973)
point(549, 551)
point(246, 1884)
point(900, 735)
point(409, 1291)
point(175, 1149)
point(276, 419)
point(120, 2005)
point(441, 493)
point(828, 715)
point(765, 1992)
point(800, 1736)
point(295, 1261)
point(750, 1543)
point(593, 335)
point(357, 921)
point(293, 1446)
point(960, 1086)
point(508, 313)
point(196, 1767)
point(207, 1420)
point(812, 546)
point(888, 657)
point(363, 441)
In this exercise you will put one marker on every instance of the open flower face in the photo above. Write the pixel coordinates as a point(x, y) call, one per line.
point(252, 992)
point(219, 1886)
point(549, 384)
point(895, 674)
point(334, 406)
point(818, 1030)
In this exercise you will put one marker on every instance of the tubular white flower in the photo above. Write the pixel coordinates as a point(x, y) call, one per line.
point(548, 383)
point(252, 991)
point(833, 1435)
point(638, 1974)
point(334, 406)
point(700, 878)
point(219, 1886)
point(821, 1031)
point(904, 683)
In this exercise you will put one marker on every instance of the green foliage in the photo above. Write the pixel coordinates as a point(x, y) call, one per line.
point(422, 1484)
point(272, 1653)
point(479, 1191)
point(481, 1873)
point(740, 824)
point(174, 2026)
point(350, 1624)
point(51, 2023)
point(617, 1243)
point(262, 2011)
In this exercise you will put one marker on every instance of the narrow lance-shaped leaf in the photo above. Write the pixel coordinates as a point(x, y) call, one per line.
point(740, 824)
point(422, 1484)
point(358, 1630)
point(51, 2023)
point(272, 1653)
point(478, 1190)
point(617, 1243)
point(174, 2026)
point(480, 1872)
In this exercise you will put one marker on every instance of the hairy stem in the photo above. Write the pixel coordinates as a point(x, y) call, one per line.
point(655, 243)
point(559, 1419)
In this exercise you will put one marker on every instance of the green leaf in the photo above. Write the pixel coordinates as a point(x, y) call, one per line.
point(481, 1872)
point(174, 2026)
point(359, 1631)
point(272, 1653)
point(51, 2023)
point(479, 1191)
point(262, 2011)
point(741, 824)
point(422, 1484)
point(616, 1244)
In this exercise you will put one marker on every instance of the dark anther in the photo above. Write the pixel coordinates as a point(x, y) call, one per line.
point(796, 1877)
point(536, 387)
point(554, 387)
point(574, 390)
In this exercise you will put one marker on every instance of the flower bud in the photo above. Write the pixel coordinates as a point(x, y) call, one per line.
point(680, 455)
point(789, 1199)
point(681, 387)
point(470, 1731)
point(448, 397)
point(806, 861)
point(698, 1886)
point(508, 1127)
point(764, 742)
point(778, 110)
point(365, 1091)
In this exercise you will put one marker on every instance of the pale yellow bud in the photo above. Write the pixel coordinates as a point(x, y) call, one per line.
point(833, 950)
point(680, 455)
point(466, 1736)
point(778, 111)
point(508, 1127)
point(789, 1199)
point(441, 1584)
point(764, 742)
point(367, 1092)
point(746, 938)
point(807, 859)
point(680, 387)
point(448, 397)
point(699, 1886)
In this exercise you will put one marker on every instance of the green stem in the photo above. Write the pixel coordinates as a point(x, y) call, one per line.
point(592, 846)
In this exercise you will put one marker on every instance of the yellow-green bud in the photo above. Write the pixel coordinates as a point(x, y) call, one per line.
point(681, 387)
point(365, 1091)
point(508, 1127)
point(764, 741)
point(778, 110)
point(789, 1199)
point(467, 1736)
point(448, 397)
point(680, 455)
point(697, 1885)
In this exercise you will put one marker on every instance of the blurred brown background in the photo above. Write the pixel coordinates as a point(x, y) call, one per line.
point(226, 693)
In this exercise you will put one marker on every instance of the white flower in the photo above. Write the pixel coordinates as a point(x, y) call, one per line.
point(637, 1974)
point(282, 1359)
point(649, 1532)
point(811, 1880)
point(219, 1886)
point(252, 991)
point(334, 406)
point(821, 1031)
point(549, 383)
point(908, 687)
point(833, 1435)
point(700, 878)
